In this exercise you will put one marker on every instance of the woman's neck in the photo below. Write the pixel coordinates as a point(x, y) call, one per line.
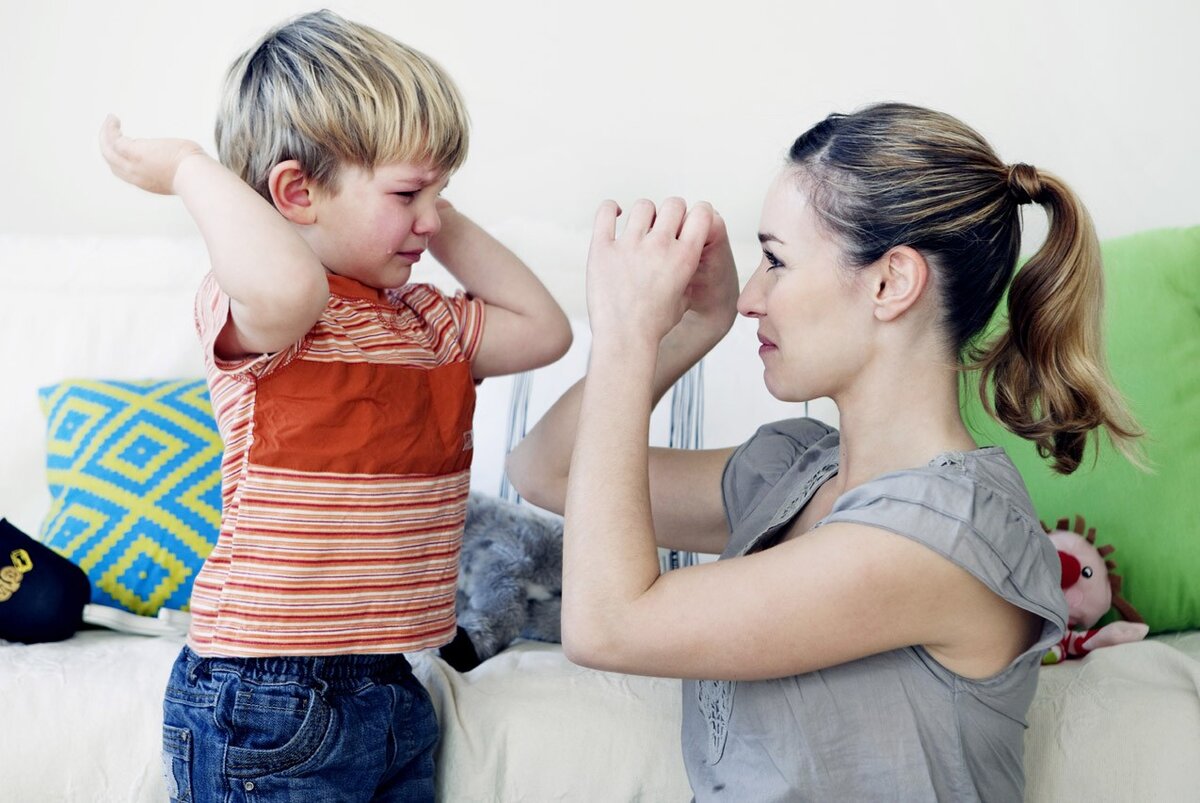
point(900, 416)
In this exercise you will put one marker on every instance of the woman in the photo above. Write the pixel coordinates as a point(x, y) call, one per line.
point(885, 592)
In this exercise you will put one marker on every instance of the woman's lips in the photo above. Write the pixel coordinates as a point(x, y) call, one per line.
point(767, 346)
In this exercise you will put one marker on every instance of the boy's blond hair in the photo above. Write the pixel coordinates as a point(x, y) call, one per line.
point(326, 91)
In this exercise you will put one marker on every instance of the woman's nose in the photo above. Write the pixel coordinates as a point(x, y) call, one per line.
point(749, 301)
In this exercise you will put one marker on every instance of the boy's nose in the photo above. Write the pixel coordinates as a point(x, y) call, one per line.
point(428, 221)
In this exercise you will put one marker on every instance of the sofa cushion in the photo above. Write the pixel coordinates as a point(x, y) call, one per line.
point(1152, 331)
point(134, 475)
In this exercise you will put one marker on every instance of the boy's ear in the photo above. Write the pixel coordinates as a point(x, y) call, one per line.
point(898, 281)
point(291, 192)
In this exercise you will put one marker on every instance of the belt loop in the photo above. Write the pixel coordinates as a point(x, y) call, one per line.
point(316, 669)
point(193, 666)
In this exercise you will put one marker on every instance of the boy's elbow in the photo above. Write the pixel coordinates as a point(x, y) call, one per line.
point(565, 339)
point(558, 338)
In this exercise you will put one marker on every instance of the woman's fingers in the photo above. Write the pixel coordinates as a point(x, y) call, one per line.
point(641, 217)
point(604, 227)
point(697, 225)
point(716, 231)
point(683, 231)
point(638, 281)
point(670, 216)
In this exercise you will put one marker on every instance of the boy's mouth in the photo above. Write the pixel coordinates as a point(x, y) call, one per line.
point(411, 256)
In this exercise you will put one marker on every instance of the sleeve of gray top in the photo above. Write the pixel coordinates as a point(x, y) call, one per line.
point(755, 466)
point(969, 523)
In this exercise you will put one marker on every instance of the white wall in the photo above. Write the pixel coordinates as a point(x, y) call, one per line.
point(574, 102)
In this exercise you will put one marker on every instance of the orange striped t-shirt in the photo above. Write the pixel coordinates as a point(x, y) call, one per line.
point(345, 477)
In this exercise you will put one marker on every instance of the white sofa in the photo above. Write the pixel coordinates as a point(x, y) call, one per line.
point(81, 717)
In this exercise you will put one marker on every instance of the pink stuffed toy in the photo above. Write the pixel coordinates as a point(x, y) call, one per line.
point(1091, 588)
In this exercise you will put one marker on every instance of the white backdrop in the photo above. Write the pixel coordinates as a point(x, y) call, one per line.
point(575, 102)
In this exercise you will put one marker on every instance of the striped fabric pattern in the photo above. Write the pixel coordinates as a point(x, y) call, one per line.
point(344, 480)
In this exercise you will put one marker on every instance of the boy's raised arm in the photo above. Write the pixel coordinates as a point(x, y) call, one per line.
point(525, 328)
point(276, 284)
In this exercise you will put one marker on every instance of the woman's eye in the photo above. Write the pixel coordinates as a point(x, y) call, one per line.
point(772, 261)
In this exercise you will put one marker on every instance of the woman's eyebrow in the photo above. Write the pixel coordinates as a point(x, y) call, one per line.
point(766, 237)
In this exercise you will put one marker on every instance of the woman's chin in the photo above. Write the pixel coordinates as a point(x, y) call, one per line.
point(785, 392)
point(775, 388)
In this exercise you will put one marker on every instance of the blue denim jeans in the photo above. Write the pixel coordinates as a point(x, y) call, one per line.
point(337, 728)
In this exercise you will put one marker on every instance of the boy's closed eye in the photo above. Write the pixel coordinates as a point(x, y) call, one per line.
point(435, 188)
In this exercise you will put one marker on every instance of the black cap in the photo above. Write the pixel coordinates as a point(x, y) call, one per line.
point(42, 594)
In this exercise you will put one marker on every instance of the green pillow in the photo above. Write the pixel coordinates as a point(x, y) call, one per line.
point(134, 470)
point(1152, 331)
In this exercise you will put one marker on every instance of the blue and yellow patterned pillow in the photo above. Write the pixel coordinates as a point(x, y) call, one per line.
point(135, 478)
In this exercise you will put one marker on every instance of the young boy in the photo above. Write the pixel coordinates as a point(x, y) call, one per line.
point(344, 396)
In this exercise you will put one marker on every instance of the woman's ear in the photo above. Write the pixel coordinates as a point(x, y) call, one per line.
point(291, 192)
point(899, 280)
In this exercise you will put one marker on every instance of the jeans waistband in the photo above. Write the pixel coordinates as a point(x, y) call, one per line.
point(331, 669)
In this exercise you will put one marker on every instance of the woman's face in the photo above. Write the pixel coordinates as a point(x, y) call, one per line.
point(813, 315)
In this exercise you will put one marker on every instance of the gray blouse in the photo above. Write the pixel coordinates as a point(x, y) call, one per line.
point(897, 725)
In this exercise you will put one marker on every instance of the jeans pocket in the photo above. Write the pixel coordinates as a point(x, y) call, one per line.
point(275, 727)
point(177, 763)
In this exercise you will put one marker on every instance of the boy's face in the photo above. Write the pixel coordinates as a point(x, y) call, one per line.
point(379, 222)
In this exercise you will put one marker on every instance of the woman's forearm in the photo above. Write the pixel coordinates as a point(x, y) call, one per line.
point(609, 551)
point(540, 464)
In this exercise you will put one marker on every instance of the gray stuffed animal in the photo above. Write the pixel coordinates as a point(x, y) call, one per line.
point(509, 580)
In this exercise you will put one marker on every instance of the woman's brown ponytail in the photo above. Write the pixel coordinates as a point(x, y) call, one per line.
point(1047, 370)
